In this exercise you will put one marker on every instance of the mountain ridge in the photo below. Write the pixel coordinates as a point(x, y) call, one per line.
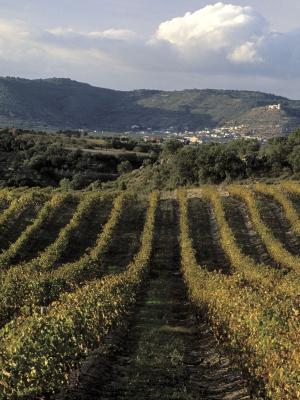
point(62, 103)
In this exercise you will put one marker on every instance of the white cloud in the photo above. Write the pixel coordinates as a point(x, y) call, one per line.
point(216, 25)
point(117, 34)
point(223, 30)
point(245, 53)
point(114, 34)
point(218, 40)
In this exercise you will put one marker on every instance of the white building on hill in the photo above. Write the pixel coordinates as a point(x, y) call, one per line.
point(274, 107)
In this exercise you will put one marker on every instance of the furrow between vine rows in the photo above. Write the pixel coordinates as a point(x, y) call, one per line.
point(85, 235)
point(15, 219)
point(259, 326)
point(275, 247)
point(273, 216)
point(75, 325)
point(38, 287)
point(205, 236)
point(246, 236)
point(166, 353)
point(42, 232)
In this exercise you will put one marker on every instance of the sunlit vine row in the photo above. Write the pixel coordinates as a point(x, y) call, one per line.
point(274, 246)
point(278, 194)
point(260, 276)
point(291, 187)
point(261, 336)
point(6, 197)
point(47, 259)
point(38, 287)
point(33, 365)
point(32, 198)
point(45, 214)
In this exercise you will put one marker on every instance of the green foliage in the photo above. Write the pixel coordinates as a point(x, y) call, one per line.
point(43, 162)
point(258, 326)
point(226, 162)
point(124, 167)
point(66, 104)
point(294, 158)
point(65, 184)
point(34, 365)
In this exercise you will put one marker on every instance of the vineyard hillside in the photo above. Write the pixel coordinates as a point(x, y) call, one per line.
point(121, 294)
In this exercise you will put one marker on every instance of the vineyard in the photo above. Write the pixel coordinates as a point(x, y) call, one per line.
point(114, 295)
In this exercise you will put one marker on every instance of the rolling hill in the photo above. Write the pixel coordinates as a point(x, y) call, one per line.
point(63, 103)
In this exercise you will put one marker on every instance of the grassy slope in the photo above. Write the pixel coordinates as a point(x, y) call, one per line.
point(65, 103)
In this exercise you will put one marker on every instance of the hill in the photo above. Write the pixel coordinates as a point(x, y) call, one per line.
point(62, 103)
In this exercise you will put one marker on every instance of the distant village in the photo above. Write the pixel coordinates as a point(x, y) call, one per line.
point(220, 134)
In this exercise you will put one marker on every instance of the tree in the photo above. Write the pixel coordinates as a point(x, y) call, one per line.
point(79, 181)
point(171, 147)
point(124, 167)
point(294, 159)
point(65, 184)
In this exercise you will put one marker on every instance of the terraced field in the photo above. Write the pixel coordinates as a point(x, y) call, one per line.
point(117, 295)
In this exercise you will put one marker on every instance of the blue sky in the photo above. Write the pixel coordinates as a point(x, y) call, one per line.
point(129, 44)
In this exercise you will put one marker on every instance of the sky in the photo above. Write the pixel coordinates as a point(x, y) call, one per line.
point(155, 44)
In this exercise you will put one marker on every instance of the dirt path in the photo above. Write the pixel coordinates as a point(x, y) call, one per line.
point(166, 354)
point(273, 216)
point(85, 236)
point(247, 238)
point(204, 232)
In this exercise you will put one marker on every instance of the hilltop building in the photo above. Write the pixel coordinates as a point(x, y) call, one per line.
point(274, 107)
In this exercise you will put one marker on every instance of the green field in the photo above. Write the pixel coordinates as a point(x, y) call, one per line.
point(186, 294)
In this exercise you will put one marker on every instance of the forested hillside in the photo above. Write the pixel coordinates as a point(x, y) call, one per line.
point(63, 103)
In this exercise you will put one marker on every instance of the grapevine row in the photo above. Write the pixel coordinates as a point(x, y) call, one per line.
point(43, 217)
point(6, 196)
point(278, 194)
point(18, 205)
point(32, 365)
point(290, 187)
point(274, 246)
point(38, 287)
point(259, 276)
point(261, 336)
point(241, 263)
point(47, 259)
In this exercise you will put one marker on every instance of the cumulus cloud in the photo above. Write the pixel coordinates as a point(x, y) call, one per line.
point(215, 25)
point(225, 38)
point(245, 53)
point(217, 40)
point(223, 30)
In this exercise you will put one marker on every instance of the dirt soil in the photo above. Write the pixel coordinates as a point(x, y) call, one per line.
point(167, 352)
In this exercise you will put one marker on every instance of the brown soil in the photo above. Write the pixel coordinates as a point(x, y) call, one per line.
point(205, 236)
point(126, 241)
point(273, 216)
point(12, 229)
point(246, 237)
point(86, 235)
point(48, 232)
point(166, 353)
point(295, 199)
